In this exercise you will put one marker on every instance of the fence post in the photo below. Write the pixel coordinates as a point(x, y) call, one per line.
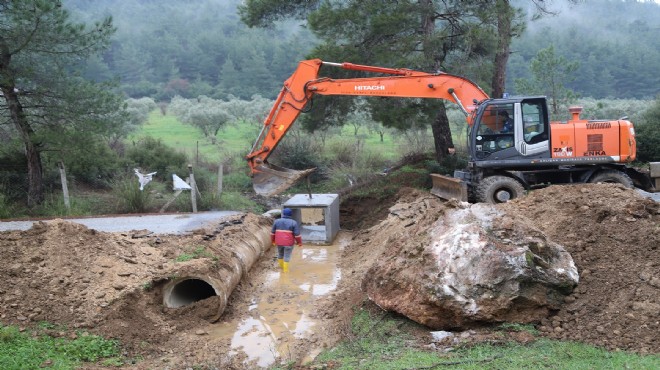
point(65, 188)
point(220, 171)
point(193, 190)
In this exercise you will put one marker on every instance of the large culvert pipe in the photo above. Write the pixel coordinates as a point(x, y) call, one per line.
point(190, 289)
point(242, 247)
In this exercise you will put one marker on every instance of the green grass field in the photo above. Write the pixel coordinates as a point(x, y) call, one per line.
point(185, 138)
point(237, 139)
point(383, 342)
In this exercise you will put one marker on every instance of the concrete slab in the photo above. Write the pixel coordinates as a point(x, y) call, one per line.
point(317, 215)
point(317, 200)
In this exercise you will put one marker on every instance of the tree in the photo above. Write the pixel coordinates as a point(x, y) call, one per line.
point(39, 49)
point(208, 115)
point(551, 73)
point(426, 35)
point(508, 24)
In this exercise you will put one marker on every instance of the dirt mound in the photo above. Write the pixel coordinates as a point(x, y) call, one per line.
point(367, 245)
point(613, 235)
point(110, 283)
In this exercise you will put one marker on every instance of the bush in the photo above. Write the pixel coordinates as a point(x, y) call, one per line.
point(8, 208)
point(236, 181)
point(130, 199)
point(154, 156)
point(611, 109)
point(448, 165)
point(648, 134)
point(231, 200)
point(13, 175)
point(95, 164)
point(139, 109)
point(54, 205)
point(300, 152)
point(140, 89)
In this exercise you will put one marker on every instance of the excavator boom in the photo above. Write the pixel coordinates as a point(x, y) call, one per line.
point(305, 82)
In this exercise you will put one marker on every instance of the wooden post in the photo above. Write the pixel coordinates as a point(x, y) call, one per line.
point(193, 190)
point(220, 170)
point(65, 188)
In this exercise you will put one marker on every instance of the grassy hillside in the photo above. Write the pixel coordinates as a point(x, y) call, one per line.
point(188, 139)
point(235, 140)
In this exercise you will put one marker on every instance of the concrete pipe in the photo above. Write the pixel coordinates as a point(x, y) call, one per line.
point(236, 252)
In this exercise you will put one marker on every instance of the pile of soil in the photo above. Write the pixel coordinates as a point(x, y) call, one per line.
point(110, 283)
point(612, 233)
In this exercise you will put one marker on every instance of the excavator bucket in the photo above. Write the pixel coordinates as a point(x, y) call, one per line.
point(448, 188)
point(271, 179)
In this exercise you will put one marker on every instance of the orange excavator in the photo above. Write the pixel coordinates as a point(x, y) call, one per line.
point(512, 144)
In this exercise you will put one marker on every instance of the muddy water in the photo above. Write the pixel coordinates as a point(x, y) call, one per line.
point(284, 310)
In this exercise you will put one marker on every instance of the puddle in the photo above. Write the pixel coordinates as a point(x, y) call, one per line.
point(282, 312)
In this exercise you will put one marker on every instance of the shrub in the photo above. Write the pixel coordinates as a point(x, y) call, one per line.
point(648, 134)
point(450, 163)
point(94, 164)
point(130, 199)
point(8, 208)
point(300, 152)
point(153, 155)
point(236, 181)
point(13, 175)
point(231, 200)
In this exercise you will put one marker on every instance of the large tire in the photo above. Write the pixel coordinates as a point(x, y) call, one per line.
point(498, 189)
point(613, 177)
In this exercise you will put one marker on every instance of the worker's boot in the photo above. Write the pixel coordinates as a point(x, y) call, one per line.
point(280, 262)
point(285, 266)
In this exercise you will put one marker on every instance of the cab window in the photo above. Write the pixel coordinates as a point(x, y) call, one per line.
point(497, 119)
point(496, 129)
point(534, 126)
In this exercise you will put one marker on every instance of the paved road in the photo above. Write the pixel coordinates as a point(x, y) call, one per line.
point(180, 223)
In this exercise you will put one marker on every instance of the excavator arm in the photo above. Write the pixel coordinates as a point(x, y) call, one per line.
point(305, 82)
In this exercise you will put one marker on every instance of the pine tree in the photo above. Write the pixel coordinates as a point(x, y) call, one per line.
point(39, 48)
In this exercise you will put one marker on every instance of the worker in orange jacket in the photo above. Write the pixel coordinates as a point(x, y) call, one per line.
point(285, 233)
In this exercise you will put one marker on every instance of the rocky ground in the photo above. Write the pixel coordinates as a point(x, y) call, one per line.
point(108, 283)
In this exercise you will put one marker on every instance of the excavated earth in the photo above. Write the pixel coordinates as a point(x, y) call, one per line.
point(110, 283)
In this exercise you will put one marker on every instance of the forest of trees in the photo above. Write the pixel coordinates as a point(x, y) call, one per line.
point(77, 76)
point(200, 47)
point(614, 42)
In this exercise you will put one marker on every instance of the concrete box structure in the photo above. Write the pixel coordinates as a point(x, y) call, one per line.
point(318, 216)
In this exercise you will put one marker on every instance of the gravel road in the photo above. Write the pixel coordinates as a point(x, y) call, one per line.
point(179, 223)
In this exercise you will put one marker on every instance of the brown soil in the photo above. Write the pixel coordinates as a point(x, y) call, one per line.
point(108, 283)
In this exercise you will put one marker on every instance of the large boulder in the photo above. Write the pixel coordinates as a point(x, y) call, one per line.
point(450, 267)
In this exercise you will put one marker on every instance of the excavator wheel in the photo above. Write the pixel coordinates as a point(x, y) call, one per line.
point(612, 177)
point(498, 189)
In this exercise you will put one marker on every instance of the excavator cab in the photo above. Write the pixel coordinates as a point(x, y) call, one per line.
point(510, 129)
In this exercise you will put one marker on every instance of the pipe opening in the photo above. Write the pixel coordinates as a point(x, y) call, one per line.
point(187, 291)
